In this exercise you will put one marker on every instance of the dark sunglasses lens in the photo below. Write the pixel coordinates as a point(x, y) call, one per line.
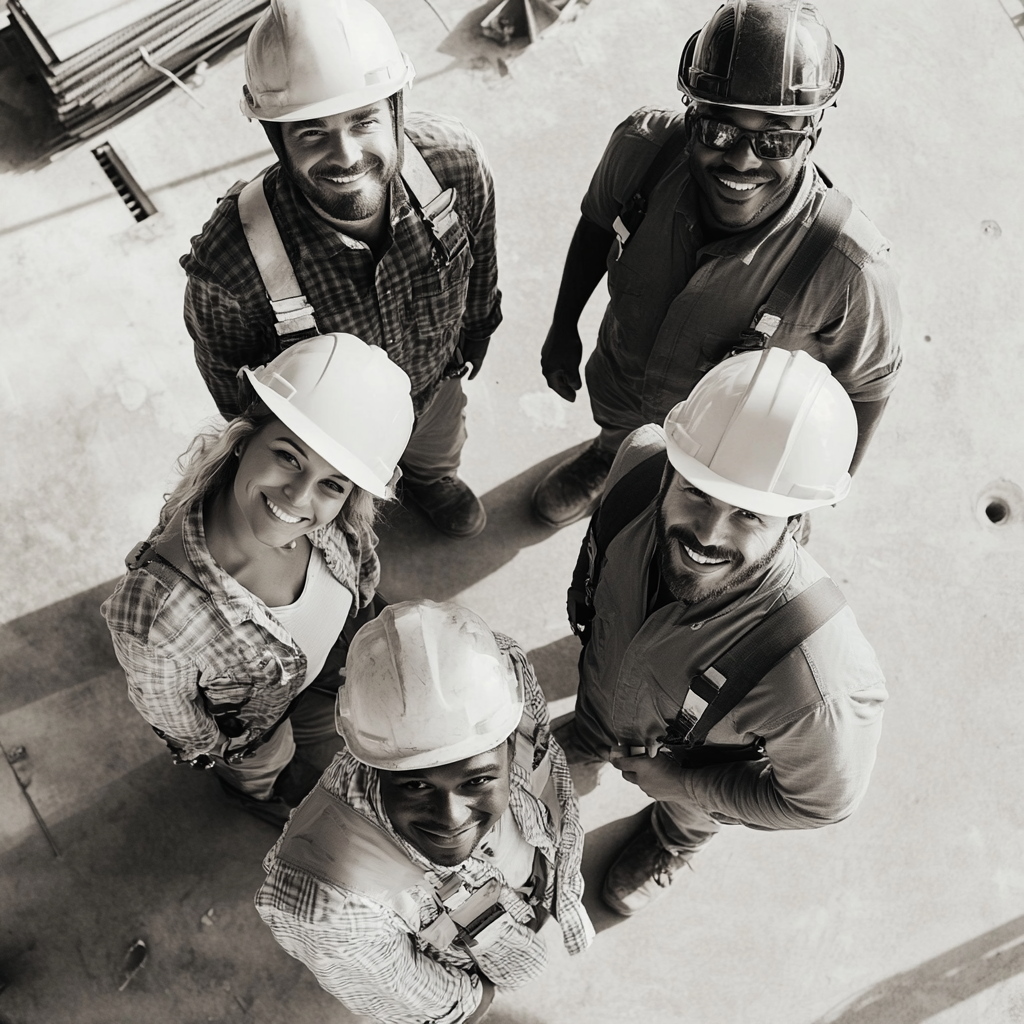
point(717, 134)
point(776, 145)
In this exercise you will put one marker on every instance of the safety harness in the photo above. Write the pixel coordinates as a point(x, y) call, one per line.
point(340, 847)
point(824, 230)
point(292, 310)
point(718, 688)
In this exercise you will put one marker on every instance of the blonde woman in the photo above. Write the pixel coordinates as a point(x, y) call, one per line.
point(263, 553)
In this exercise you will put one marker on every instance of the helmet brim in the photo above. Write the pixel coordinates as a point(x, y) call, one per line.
point(762, 503)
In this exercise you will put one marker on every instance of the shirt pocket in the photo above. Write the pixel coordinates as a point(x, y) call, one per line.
point(246, 670)
point(437, 298)
point(627, 292)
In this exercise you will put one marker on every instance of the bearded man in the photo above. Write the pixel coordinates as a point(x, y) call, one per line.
point(763, 438)
point(373, 223)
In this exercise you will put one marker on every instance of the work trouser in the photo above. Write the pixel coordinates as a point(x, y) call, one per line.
point(435, 448)
point(310, 723)
point(614, 400)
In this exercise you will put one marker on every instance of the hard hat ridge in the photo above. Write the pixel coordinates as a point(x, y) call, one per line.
point(426, 685)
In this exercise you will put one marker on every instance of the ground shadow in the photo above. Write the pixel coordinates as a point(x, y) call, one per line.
point(417, 561)
point(557, 667)
point(953, 977)
point(599, 850)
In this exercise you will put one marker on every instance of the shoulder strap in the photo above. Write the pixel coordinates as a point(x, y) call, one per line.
point(628, 497)
point(635, 209)
point(718, 689)
point(833, 215)
point(336, 844)
point(294, 314)
point(435, 205)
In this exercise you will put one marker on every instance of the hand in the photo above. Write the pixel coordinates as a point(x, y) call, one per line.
point(560, 358)
point(659, 777)
point(473, 352)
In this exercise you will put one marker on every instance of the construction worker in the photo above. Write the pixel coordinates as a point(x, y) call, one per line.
point(413, 879)
point(695, 216)
point(722, 671)
point(373, 222)
point(263, 554)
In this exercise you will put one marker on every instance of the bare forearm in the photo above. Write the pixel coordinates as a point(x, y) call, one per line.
point(869, 415)
point(585, 265)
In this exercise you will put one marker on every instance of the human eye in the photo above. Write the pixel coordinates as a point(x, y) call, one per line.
point(336, 486)
point(749, 517)
point(480, 781)
point(286, 456)
point(414, 786)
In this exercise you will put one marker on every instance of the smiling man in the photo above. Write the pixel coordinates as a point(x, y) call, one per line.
point(709, 238)
point(374, 223)
point(763, 438)
point(413, 880)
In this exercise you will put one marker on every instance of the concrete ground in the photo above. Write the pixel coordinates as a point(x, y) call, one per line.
point(911, 911)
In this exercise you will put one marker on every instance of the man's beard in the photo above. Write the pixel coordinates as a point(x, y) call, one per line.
point(348, 206)
point(692, 588)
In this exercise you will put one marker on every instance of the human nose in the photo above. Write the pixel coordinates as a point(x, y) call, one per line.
point(741, 155)
point(347, 149)
point(710, 530)
point(301, 489)
point(452, 811)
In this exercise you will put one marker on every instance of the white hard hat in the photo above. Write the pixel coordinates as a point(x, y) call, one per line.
point(346, 399)
point(426, 685)
point(315, 58)
point(772, 432)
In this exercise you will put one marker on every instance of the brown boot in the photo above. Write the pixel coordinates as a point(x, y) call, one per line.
point(641, 874)
point(450, 505)
point(573, 488)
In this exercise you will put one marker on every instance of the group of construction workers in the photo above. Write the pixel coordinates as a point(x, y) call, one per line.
point(336, 302)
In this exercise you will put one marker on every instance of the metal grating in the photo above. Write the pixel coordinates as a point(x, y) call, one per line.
point(139, 204)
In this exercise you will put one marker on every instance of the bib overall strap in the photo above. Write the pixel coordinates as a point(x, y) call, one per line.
point(293, 313)
point(435, 205)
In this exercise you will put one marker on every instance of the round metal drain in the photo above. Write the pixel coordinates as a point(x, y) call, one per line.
point(1000, 504)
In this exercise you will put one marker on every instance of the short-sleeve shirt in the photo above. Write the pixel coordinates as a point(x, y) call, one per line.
point(677, 305)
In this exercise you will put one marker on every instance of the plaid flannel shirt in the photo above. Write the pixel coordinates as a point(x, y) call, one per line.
point(186, 650)
point(407, 303)
point(370, 957)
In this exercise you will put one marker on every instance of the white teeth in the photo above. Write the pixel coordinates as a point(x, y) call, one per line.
point(737, 186)
point(703, 559)
point(281, 514)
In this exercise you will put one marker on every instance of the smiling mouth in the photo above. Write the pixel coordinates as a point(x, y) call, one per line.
point(740, 187)
point(280, 513)
point(445, 838)
point(704, 559)
point(343, 179)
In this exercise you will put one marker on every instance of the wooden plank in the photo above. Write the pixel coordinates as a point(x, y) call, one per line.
point(70, 26)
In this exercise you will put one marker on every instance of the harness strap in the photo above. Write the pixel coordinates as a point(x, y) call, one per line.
point(293, 313)
point(821, 235)
point(718, 689)
point(632, 214)
point(435, 205)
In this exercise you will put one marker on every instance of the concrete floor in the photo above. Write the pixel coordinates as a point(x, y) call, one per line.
point(911, 911)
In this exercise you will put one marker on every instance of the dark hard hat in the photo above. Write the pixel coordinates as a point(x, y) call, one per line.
point(775, 57)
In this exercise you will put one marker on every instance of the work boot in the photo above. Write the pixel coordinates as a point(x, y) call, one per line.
point(584, 767)
point(274, 811)
point(573, 488)
point(641, 874)
point(450, 505)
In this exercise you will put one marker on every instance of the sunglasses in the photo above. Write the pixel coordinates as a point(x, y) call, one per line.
point(770, 144)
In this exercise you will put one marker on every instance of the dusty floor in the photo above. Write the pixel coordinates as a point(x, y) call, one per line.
point(911, 911)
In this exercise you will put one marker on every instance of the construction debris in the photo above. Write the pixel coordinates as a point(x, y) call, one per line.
point(134, 960)
point(513, 19)
point(102, 59)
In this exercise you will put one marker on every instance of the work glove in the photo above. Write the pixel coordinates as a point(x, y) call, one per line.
point(560, 358)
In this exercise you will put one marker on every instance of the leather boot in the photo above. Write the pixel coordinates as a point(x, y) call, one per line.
point(573, 488)
point(450, 505)
point(642, 873)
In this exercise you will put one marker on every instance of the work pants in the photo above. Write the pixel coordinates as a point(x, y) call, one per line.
point(311, 722)
point(435, 448)
point(614, 400)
